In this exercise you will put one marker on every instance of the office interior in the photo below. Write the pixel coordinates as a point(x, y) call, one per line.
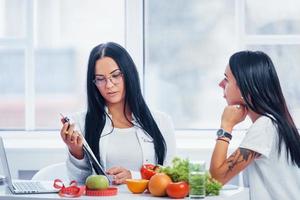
point(180, 47)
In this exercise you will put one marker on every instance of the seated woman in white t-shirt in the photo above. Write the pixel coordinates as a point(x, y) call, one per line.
point(118, 125)
point(269, 155)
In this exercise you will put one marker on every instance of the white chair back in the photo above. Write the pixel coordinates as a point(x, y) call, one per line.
point(52, 172)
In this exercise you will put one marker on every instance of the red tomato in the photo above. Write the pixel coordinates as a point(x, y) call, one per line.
point(148, 170)
point(178, 190)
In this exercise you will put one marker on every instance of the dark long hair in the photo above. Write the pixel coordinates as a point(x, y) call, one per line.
point(96, 114)
point(259, 85)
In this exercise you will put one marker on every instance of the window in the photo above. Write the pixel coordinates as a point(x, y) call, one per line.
point(180, 47)
point(44, 53)
point(277, 32)
point(188, 44)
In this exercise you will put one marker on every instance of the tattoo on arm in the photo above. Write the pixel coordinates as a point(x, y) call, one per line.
point(239, 156)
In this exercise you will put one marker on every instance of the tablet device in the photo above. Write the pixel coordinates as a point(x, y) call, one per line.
point(91, 156)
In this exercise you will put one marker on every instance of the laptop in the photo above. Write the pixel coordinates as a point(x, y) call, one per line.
point(23, 186)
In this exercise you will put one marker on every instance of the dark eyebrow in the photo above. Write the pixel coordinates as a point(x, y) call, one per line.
point(109, 73)
point(114, 70)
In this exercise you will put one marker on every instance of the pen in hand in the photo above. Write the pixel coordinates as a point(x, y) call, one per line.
point(65, 120)
point(72, 138)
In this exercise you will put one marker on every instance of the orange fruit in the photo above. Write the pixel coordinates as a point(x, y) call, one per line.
point(158, 184)
point(137, 185)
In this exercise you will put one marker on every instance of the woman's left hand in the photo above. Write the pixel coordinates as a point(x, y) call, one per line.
point(119, 174)
point(232, 115)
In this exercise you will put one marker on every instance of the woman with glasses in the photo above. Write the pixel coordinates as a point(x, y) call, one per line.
point(118, 125)
point(269, 154)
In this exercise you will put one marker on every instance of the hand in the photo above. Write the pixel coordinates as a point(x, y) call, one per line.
point(120, 174)
point(232, 115)
point(73, 140)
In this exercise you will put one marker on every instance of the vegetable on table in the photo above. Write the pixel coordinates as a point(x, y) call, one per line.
point(178, 189)
point(148, 170)
point(179, 171)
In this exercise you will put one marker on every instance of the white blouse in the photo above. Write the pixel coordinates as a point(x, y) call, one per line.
point(124, 149)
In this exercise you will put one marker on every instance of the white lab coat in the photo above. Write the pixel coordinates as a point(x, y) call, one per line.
point(79, 170)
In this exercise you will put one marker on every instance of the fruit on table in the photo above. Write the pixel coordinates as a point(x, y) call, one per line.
point(178, 189)
point(97, 182)
point(148, 170)
point(158, 184)
point(137, 185)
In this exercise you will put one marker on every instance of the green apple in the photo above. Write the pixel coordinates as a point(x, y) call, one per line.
point(97, 182)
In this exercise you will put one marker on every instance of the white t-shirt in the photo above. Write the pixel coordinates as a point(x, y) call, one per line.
point(124, 149)
point(269, 177)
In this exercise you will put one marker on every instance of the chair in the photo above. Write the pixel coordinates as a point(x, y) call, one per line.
point(52, 172)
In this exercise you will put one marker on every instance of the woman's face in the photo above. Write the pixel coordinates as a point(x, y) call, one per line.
point(109, 81)
point(232, 93)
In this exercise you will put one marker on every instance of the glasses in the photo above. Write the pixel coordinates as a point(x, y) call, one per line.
point(115, 78)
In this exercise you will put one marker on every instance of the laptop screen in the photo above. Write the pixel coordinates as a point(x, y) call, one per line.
point(5, 164)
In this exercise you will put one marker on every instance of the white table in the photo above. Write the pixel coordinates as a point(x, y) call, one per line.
point(124, 194)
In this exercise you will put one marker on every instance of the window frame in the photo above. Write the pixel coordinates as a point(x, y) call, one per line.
point(135, 42)
point(26, 43)
point(242, 38)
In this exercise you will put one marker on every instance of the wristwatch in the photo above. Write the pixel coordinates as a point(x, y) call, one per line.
point(222, 133)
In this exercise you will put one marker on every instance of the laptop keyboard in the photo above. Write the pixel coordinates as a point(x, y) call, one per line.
point(29, 186)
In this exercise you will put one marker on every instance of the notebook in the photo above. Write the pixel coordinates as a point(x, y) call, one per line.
point(23, 186)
